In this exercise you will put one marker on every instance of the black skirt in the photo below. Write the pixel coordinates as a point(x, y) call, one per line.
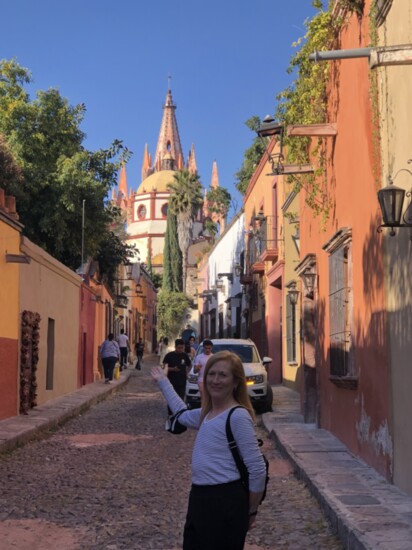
point(217, 517)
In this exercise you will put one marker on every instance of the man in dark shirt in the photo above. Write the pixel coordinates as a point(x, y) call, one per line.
point(178, 365)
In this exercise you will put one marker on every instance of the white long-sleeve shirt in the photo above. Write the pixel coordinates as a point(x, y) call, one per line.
point(212, 460)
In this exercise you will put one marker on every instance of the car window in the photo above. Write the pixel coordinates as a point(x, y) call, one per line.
point(246, 352)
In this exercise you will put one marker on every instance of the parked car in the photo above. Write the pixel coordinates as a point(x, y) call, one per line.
point(260, 392)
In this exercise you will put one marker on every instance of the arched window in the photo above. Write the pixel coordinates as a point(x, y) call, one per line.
point(164, 210)
point(141, 212)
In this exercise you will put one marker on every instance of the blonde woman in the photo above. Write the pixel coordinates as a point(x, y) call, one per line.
point(220, 510)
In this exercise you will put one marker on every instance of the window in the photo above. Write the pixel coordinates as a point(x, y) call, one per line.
point(340, 304)
point(290, 330)
point(164, 210)
point(382, 9)
point(141, 212)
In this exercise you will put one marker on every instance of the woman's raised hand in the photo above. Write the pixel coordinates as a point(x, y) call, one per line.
point(158, 373)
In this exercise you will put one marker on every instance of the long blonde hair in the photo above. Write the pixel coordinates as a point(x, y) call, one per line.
point(240, 393)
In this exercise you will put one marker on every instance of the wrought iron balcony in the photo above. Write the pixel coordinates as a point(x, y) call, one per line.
point(263, 244)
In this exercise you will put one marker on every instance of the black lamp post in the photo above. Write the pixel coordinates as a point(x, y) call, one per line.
point(391, 200)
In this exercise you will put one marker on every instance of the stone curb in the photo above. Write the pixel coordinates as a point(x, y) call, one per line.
point(19, 430)
point(366, 511)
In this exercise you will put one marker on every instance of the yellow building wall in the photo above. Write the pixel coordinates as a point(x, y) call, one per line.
point(52, 290)
point(9, 282)
point(395, 93)
point(291, 370)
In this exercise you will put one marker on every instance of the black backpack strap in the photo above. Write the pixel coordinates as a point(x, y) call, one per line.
point(244, 474)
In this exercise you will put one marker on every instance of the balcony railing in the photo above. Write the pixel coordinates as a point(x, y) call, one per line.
point(263, 244)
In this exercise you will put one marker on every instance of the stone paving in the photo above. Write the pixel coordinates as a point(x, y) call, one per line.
point(368, 512)
point(111, 478)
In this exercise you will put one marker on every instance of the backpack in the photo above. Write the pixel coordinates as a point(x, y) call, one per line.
point(173, 425)
point(244, 474)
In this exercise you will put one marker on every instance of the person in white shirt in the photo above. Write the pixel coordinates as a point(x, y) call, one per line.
point(124, 346)
point(221, 509)
point(200, 362)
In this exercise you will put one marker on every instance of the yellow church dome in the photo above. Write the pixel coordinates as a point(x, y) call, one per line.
point(157, 181)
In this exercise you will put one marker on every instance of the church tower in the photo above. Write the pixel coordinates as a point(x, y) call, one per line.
point(147, 206)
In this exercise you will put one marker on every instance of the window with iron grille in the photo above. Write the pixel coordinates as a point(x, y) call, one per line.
point(339, 311)
point(290, 330)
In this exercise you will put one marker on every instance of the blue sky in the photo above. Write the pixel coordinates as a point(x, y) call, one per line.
point(228, 60)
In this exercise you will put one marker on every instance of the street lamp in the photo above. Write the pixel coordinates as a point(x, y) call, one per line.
point(270, 128)
point(391, 199)
point(309, 280)
point(293, 292)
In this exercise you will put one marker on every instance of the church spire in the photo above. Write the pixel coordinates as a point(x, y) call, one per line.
point(215, 177)
point(122, 187)
point(191, 161)
point(169, 140)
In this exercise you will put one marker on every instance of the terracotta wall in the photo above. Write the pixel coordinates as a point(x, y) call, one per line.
point(357, 416)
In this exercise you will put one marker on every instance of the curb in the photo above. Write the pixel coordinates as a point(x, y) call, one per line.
point(19, 430)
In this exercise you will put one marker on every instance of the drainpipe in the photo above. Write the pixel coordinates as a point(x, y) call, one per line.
point(378, 57)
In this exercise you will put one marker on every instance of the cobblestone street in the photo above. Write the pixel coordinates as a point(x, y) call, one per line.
point(113, 479)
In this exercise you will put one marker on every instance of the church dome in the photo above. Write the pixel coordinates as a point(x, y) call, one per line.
point(157, 181)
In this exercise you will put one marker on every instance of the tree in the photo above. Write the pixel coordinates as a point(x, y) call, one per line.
point(10, 171)
point(218, 199)
point(57, 172)
point(251, 158)
point(185, 201)
point(171, 311)
point(172, 257)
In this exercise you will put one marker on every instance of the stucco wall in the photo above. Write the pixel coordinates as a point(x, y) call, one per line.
point(359, 417)
point(52, 290)
point(9, 318)
point(395, 92)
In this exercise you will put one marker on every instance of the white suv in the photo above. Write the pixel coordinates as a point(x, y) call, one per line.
point(259, 390)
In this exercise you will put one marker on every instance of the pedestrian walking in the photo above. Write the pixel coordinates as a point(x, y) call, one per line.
point(139, 349)
point(200, 362)
point(177, 364)
point(220, 509)
point(109, 354)
point(124, 346)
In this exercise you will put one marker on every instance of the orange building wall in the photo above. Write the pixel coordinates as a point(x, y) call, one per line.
point(358, 417)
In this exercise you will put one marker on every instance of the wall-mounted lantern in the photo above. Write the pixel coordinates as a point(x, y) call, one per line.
point(391, 199)
point(238, 270)
point(309, 280)
point(293, 292)
point(268, 129)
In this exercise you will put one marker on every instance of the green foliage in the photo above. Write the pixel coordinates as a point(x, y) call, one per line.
point(10, 172)
point(218, 199)
point(251, 158)
point(157, 279)
point(172, 257)
point(305, 102)
point(112, 253)
point(57, 172)
point(185, 201)
point(171, 311)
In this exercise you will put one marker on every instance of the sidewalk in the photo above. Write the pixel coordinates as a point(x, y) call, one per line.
point(18, 430)
point(366, 511)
